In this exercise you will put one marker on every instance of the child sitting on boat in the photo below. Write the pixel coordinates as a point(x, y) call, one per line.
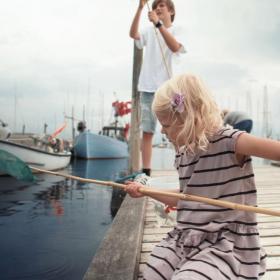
point(208, 242)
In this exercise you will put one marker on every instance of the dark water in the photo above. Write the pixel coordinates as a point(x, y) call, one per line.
point(52, 229)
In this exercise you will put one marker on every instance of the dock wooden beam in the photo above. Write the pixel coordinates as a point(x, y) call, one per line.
point(119, 254)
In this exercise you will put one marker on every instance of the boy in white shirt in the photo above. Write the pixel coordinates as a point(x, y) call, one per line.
point(157, 64)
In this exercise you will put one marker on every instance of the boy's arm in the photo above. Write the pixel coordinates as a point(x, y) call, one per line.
point(169, 39)
point(134, 29)
point(250, 145)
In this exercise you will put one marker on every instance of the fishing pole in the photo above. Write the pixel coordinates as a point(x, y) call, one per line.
point(181, 196)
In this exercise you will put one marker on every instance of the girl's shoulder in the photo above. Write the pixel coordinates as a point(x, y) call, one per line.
point(226, 137)
point(227, 132)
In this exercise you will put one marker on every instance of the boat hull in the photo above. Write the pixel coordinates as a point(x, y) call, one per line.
point(89, 145)
point(36, 157)
point(101, 169)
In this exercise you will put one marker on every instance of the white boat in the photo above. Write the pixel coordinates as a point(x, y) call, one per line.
point(37, 156)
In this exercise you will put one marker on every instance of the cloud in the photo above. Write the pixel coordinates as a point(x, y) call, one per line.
point(54, 52)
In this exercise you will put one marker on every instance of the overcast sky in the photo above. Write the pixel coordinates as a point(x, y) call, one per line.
point(55, 54)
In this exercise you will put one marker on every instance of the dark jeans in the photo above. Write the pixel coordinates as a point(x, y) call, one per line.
point(246, 125)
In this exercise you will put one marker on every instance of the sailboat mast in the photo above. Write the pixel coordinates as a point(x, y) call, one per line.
point(73, 127)
point(15, 111)
point(267, 130)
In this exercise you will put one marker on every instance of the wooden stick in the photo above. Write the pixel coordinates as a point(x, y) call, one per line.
point(187, 197)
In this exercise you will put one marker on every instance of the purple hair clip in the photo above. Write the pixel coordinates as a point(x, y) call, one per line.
point(177, 102)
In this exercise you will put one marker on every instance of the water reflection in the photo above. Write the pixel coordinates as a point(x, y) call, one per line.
point(106, 169)
point(51, 199)
point(51, 229)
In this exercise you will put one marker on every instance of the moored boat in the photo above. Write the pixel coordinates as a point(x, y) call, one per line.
point(90, 145)
point(110, 143)
point(42, 157)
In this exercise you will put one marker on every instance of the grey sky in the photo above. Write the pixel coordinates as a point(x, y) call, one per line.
point(59, 53)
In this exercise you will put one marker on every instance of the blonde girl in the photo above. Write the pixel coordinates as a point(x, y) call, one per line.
point(208, 242)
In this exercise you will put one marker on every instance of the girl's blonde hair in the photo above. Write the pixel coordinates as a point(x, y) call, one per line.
point(201, 117)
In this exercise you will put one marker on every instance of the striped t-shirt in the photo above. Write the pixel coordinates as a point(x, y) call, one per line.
point(211, 242)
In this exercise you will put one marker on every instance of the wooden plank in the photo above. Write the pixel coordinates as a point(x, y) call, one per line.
point(271, 275)
point(119, 253)
point(268, 219)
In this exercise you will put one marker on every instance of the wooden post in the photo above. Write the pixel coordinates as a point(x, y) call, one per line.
point(134, 139)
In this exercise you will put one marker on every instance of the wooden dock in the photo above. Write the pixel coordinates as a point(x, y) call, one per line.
point(138, 226)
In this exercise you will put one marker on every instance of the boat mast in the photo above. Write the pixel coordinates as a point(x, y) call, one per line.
point(101, 108)
point(249, 103)
point(267, 130)
point(84, 113)
point(87, 116)
point(73, 127)
point(15, 110)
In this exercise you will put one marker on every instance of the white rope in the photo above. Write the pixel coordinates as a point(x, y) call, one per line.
point(161, 48)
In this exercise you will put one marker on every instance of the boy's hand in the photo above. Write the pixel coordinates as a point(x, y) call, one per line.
point(142, 3)
point(153, 17)
point(132, 188)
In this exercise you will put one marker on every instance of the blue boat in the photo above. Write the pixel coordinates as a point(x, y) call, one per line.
point(100, 169)
point(110, 144)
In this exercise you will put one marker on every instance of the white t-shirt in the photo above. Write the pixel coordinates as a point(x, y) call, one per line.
point(153, 71)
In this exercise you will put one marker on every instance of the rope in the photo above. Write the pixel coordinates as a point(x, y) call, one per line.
point(161, 48)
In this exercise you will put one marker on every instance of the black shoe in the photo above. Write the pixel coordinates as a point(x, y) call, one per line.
point(147, 171)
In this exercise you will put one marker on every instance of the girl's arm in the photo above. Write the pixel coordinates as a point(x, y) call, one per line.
point(132, 188)
point(250, 145)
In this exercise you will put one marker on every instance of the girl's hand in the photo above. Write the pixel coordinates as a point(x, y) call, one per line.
point(153, 17)
point(132, 188)
point(142, 3)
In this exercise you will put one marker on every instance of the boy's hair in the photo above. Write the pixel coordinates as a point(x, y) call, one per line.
point(201, 117)
point(169, 4)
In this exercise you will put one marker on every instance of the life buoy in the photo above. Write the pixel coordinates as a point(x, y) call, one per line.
point(122, 108)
